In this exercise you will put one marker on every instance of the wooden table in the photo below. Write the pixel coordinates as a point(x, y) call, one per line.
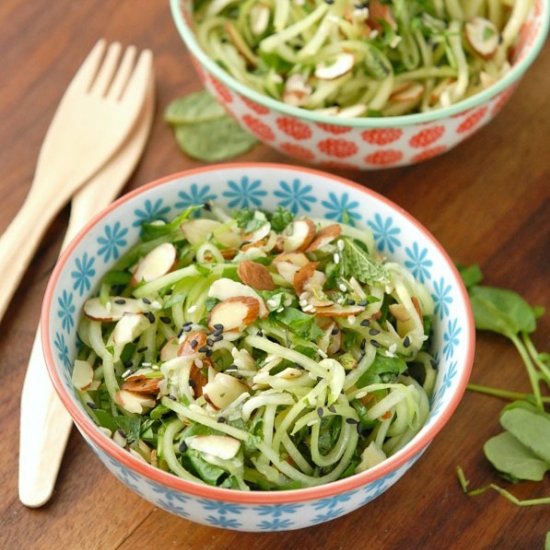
point(487, 201)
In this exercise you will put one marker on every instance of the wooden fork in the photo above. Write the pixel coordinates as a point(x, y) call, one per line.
point(96, 114)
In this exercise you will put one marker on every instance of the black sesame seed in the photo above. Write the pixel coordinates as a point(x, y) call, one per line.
point(359, 430)
point(121, 432)
point(165, 320)
point(374, 332)
point(207, 206)
point(363, 343)
point(320, 412)
point(141, 350)
point(183, 447)
point(204, 349)
point(351, 302)
point(218, 326)
point(127, 364)
point(209, 342)
point(208, 352)
point(332, 408)
point(363, 303)
point(351, 421)
point(180, 333)
point(146, 301)
point(376, 344)
point(221, 419)
point(120, 301)
point(150, 316)
point(172, 397)
point(217, 337)
point(194, 344)
point(335, 330)
point(92, 405)
point(260, 333)
point(406, 342)
point(192, 383)
point(365, 323)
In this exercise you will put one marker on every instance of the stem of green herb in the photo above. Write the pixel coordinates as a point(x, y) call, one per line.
point(462, 479)
point(531, 370)
point(545, 371)
point(503, 394)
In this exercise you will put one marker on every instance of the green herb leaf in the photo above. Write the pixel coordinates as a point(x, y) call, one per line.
point(383, 369)
point(300, 323)
point(193, 108)
point(530, 428)
point(214, 140)
point(243, 217)
point(471, 275)
point(206, 471)
point(514, 459)
point(130, 425)
point(355, 261)
point(281, 218)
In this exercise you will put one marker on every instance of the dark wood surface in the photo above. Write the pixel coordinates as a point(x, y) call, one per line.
point(487, 201)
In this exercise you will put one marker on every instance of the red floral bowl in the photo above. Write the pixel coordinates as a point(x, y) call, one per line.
point(361, 143)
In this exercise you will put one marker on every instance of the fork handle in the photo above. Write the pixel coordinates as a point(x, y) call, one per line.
point(19, 242)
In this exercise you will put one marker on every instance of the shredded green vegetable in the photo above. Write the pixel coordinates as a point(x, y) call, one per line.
point(351, 59)
point(242, 351)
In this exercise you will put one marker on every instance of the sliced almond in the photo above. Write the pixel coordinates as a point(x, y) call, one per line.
point(335, 340)
point(130, 326)
point(299, 235)
point(412, 92)
point(261, 233)
point(197, 379)
point(399, 311)
point(223, 390)
point(142, 384)
point(255, 244)
point(417, 306)
point(296, 91)
point(298, 259)
point(287, 271)
point(220, 446)
point(155, 264)
point(483, 36)
point(379, 13)
point(224, 288)
point(83, 375)
point(195, 340)
point(338, 311)
point(170, 349)
point(255, 275)
point(302, 276)
point(339, 66)
point(134, 402)
point(199, 230)
point(229, 253)
point(235, 313)
point(324, 237)
point(113, 309)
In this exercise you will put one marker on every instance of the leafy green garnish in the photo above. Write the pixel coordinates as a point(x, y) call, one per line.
point(280, 218)
point(383, 369)
point(243, 217)
point(300, 323)
point(193, 108)
point(355, 261)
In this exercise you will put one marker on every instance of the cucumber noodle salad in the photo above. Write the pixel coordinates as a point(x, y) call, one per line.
point(351, 59)
point(257, 351)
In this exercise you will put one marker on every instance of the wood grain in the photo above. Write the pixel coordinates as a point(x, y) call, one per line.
point(487, 201)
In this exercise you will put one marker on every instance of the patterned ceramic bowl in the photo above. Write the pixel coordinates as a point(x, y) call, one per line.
point(303, 191)
point(361, 143)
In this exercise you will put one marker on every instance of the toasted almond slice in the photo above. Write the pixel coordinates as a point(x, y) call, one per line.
point(155, 264)
point(223, 390)
point(325, 236)
point(113, 309)
point(298, 259)
point(134, 402)
point(130, 326)
point(170, 349)
point(195, 340)
point(255, 275)
point(338, 311)
point(197, 231)
point(83, 375)
point(142, 384)
point(261, 233)
point(399, 311)
point(296, 91)
point(335, 340)
point(235, 313)
point(302, 276)
point(287, 271)
point(412, 92)
point(220, 446)
point(483, 36)
point(229, 253)
point(224, 288)
point(255, 244)
point(340, 65)
point(417, 306)
point(197, 379)
point(379, 13)
point(299, 236)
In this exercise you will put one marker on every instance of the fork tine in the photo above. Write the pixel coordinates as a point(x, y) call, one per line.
point(123, 73)
point(139, 78)
point(106, 70)
point(87, 71)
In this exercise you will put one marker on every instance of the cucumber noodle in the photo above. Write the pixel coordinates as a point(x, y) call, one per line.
point(196, 363)
point(348, 59)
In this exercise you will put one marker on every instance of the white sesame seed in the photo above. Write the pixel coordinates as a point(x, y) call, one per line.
point(126, 373)
point(192, 309)
point(322, 353)
point(336, 258)
point(145, 364)
point(278, 310)
point(342, 287)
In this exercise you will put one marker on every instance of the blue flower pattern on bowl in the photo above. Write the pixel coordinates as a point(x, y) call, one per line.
point(245, 194)
point(442, 298)
point(302, 196)
point(195, 196)
point(295, 196)
point(418, 262)
point(341, 209)
point(66, 310)
point(112, 241)
point(385, 233)
point(150, 212)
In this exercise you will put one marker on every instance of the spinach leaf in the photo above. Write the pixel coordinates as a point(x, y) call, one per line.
point(355, 261)
point(529, 428)
point(300, 323)
point(206, 471)
point(471, 275)
point(514, 459)
point(383, 369)
point(130, 425)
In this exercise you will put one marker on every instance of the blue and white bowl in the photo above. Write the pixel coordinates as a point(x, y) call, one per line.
point(258, 185)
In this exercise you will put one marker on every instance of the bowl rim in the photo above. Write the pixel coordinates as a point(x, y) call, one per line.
point(381, 122)
point(107, 445)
